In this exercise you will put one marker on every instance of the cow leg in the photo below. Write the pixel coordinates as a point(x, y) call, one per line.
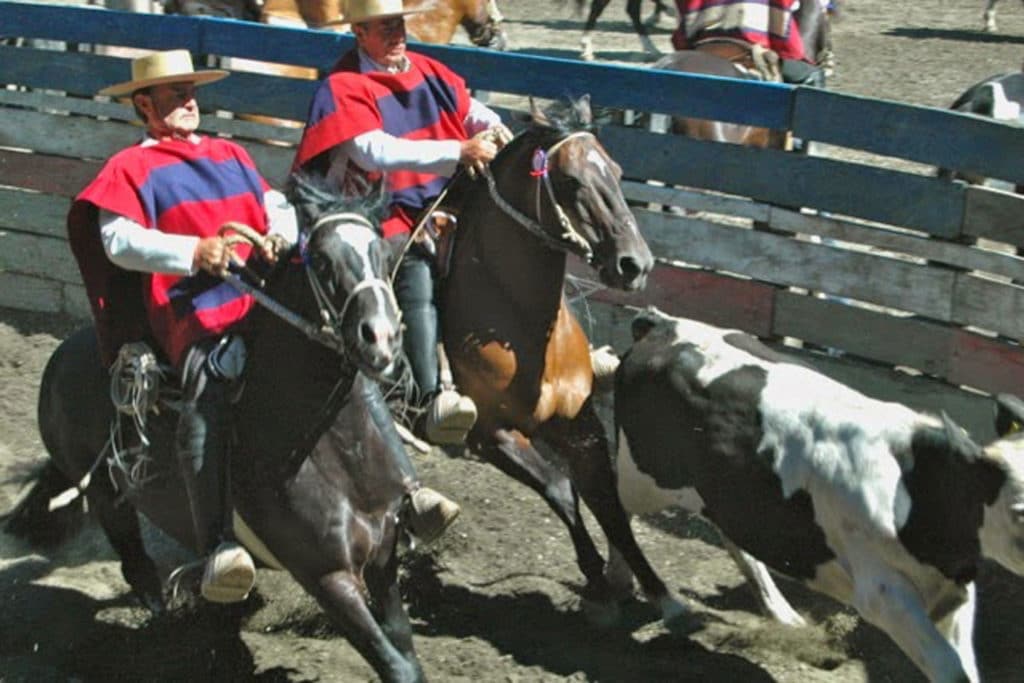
point(771, 600)
point(121, 525)
point(587, 41)
point(958, 627)
point(583, 443)
point(888, 600)
point(340, 595)
point(513, 454)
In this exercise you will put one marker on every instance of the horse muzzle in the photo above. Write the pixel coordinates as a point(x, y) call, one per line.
point(626, 266)
point(377, 344)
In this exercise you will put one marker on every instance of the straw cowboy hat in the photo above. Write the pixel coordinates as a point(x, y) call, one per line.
point(170, 66)
point(358, 11)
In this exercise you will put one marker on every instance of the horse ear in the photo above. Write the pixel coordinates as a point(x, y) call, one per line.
point(583, 111)
point(536, 114)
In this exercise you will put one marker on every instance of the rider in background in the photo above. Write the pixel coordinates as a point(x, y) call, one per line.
point(392, 115)
point(767, 23)
point(145, 235)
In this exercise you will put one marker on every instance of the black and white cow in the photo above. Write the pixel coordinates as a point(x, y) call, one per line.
point(879, 506)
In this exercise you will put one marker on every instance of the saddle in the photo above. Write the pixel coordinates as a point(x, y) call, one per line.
point(754, 60)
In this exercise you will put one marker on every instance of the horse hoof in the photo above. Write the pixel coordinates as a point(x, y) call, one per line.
point(604, 614)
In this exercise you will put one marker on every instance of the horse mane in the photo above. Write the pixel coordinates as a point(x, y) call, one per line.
point(313, 196)
point(555, 121)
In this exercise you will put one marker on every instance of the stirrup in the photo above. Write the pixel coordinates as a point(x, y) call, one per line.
point(430, 514)
point(230, 574)
point(449, 418)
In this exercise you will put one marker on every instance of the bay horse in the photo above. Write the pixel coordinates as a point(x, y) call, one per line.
point(513, 344)
point(319, 474)
point(734, 59)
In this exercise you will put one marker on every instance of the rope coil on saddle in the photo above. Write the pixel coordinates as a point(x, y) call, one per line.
point(135, 379)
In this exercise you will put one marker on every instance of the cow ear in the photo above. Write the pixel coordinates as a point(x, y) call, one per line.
point(958, 438)
point(1009, 414)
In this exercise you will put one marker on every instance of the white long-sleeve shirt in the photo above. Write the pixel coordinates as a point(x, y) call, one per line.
point(376, 150)
point(134, 247)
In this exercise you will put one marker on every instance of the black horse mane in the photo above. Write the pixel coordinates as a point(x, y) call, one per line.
point(556, 120)
point(314, 196)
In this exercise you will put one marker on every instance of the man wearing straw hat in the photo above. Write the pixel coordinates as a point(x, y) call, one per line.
point(388, 113)
point(145, 235)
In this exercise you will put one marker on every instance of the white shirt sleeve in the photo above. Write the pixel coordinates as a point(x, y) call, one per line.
point(135, 247)
point(376, 150)
point(480, 117)
point(280, 216)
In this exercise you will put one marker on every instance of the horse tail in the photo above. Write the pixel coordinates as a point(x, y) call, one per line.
point(34, 522)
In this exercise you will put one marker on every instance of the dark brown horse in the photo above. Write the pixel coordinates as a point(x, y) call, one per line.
point(597, 7)
point(514, 345)
point(729, 58)
point(318, 472)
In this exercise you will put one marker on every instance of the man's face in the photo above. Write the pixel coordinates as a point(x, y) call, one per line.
point(383, 40)
point(170, 109)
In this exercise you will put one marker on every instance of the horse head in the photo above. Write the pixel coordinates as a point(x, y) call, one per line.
point(482, 22)
point(346, 262)
point(575, 193)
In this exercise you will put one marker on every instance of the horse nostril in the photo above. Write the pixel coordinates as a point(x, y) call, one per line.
point(629, 268)
point(367, 333)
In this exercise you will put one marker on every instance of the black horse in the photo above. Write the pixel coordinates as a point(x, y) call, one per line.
point(318, 472)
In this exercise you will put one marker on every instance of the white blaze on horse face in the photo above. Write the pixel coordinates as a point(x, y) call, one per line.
point(360, 237)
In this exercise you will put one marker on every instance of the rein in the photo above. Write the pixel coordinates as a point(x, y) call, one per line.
point(570, 237)
point(327, 333)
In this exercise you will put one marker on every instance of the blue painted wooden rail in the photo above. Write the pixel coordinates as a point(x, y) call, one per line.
point(923, 134)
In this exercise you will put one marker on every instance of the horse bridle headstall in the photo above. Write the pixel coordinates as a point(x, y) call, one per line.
point(328, 333)
point(570, 239)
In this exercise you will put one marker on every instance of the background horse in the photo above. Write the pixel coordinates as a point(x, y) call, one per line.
point(514, 345)
point(732, 59)
point(990, 16)
point(318, 474)
point(633, 10)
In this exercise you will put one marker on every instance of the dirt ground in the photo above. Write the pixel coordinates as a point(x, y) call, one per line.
point(496, 599)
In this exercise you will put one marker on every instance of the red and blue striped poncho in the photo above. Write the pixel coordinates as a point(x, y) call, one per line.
point(768, 23)
point(177, 187)
point(427, 102)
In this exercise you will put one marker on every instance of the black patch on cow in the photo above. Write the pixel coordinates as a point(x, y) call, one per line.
point(684, 434)
point(949, 486)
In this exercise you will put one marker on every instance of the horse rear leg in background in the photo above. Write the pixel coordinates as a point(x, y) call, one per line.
point(513, 454)
point(583, 443)
point(632, 9)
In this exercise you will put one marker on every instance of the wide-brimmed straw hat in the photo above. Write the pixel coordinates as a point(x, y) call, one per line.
point(170, 66)
point(358, 11)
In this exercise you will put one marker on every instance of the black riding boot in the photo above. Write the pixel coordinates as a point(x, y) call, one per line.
point(202, 446)
point(202, 451)
point(414, 290)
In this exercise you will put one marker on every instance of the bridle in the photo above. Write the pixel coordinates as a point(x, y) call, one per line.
point(570, 239)
point(328, 333)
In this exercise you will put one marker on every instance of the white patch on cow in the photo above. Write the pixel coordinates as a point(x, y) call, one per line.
point(825, 438)
point(640, 493)
point(595, 158)
point(838, 445)
point(1003, 108)
point(1002, 530)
